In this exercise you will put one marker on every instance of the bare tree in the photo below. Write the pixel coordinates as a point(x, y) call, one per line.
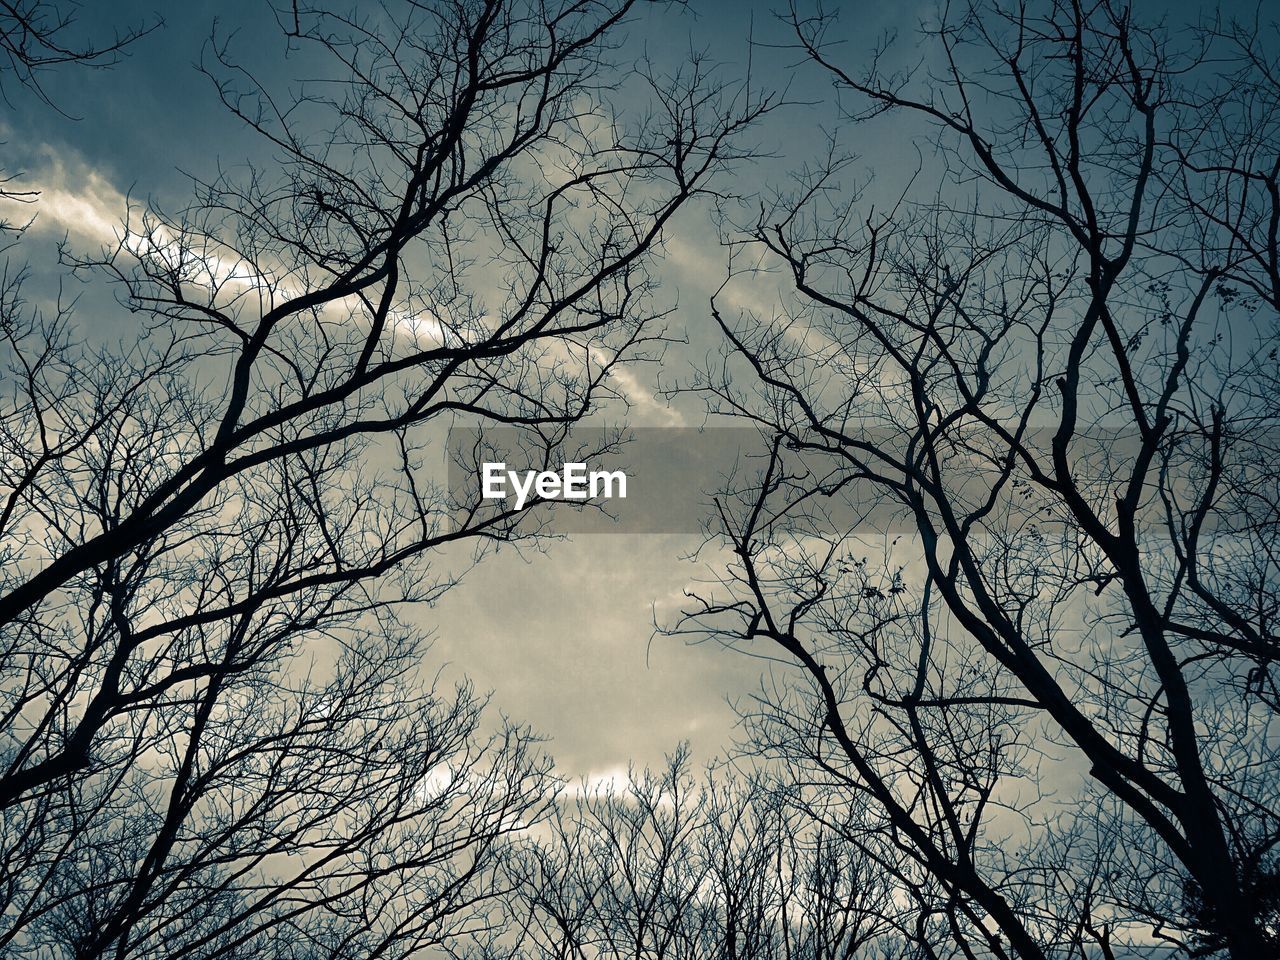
point(36, 36)
point(352, 811)
point(667, 865)
point(1016, 521)
point(211, 739)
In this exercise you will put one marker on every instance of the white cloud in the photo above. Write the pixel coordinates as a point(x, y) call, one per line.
point(75, 199)
point(614, 779)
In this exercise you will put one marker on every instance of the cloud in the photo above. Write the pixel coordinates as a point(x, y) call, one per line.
point(75, 199)
point(647, 409)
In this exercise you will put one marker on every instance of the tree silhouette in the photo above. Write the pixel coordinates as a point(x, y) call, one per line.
point(212, 741)
point(1016, 521)
point(667, 864)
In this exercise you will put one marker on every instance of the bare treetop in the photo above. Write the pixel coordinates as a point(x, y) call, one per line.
point(1057, 365)
point(214, 738)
